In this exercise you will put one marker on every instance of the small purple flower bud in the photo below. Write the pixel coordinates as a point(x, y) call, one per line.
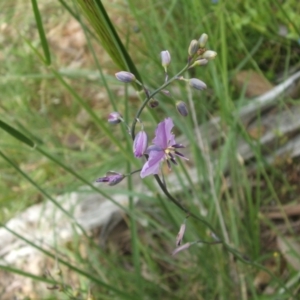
point(166, 92)
point(180, 234)
point(193, 48)
point(165, 59)
point(114, 118)
point(153, 103)
point(199, 62)
point(181, 248)
point(140, 144)
point(125, 76)
point(182, 108)
point(112, 178)
point(202, 40)
point(209, 54)
point(197, 84)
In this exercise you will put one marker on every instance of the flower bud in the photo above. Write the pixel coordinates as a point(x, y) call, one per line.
point(202, 40)
point(114, 118)
point(194, 46)
point(153, 103)
point(140, 144)
point(182, 108)
point(199, 62)
point(125, 76)
point(166, 92)
point(181, 248)
point(112, 178)
point(165, 59)
point(180, 234)
point(197, 84)
point(209, 54)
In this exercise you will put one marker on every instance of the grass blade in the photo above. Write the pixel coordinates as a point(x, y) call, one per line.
point(17, 134)
point(98, 18)
point(40, 27)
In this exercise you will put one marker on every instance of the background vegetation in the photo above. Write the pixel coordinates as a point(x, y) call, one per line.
point(58, 92)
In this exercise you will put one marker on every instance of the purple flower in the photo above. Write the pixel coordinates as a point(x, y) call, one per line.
point(163, 148)
point(125, 76)
point(165, 59)
point(112, 178)
point(193, 48)
point(114, 118)
point(182, 108)
point(180, 234)
point(181, 248)
point(197, 84)
point(140, 144)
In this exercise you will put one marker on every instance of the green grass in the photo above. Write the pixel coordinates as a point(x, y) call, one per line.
point(50, 94)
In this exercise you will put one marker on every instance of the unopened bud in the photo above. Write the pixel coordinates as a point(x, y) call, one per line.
point(199, 62)
point(194, 46)
point(209, 54)
point(153, 103)
point(125, 76)
point(181, 248)
point(182, 108)
point(165, 59)
point(197, 84)
point(140, 144)
point(180, 234)
point(166, 92)
point(112, 178)
point(202, 40)
point(114, 118)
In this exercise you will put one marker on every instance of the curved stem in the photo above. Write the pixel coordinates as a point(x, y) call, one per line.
point(171, 198)
point(140, 110)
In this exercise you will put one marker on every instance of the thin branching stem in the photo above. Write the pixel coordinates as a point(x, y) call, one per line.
point(150, 96)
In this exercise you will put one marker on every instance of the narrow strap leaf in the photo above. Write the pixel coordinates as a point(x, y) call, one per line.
point(110, 40)
point(17, 134)
point(39, 24)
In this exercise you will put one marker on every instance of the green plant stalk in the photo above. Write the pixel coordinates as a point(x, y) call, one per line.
point(16, 134)
point(40, 27)
point(28, 275)
point(148, 98)
point(133, 223)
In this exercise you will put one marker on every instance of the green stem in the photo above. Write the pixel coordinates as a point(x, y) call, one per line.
point(140, 110)
point(166, 192)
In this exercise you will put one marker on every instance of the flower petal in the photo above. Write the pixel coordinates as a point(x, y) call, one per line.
point(112, 178)
point(152, 165)
point(163, 136)
point(140, 144)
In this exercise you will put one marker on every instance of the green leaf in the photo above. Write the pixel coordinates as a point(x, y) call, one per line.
point(109, 39)
point(17, 134)
point(41, 31)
